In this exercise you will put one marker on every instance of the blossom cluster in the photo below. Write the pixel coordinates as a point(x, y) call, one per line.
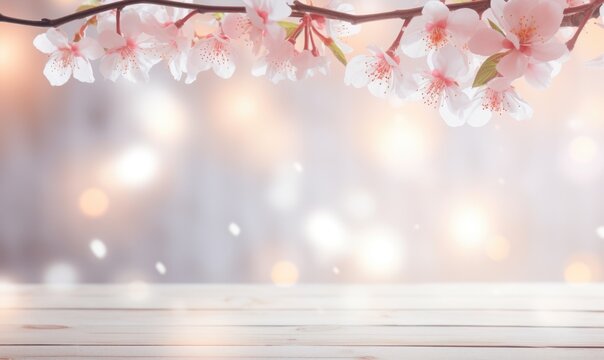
point(462, 62)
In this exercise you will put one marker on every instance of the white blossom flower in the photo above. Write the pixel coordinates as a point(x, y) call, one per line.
point(129, 54)
point(173, 41)
point(67, 58)
point(497, 96)
point(276, 64)
point(440, 86)
point(381, 72)
point(437, 27)
point(211, 52)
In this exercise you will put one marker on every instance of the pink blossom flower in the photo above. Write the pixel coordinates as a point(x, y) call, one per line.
point(337, 30)
point(284, 62)
point(211, 52)
point(499, 97)
point(527, 35)
point(540, 74)
point(277, 64)
point(130, 54)
point(264, 15)
point(440, 86)
point(173, 42)
point(437, 27)
point(67, 58)
point(308, 64)
point(381, 72)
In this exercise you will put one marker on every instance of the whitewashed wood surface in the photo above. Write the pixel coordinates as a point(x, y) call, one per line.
point(452, 321)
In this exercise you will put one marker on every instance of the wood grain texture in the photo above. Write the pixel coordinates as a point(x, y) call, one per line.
point(460, 321)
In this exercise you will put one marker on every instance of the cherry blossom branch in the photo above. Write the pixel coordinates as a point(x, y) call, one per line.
point(590, 9)
point(299, 9)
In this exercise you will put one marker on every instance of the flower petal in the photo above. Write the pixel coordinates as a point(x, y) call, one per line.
point(57, 38)
point(90, 48)
point(486, 42)
point(435, 11)
point(42, 43)
point(463, 23)
point(82, 70)
point(551, 50)
point(513, 65)
point(548, 17)
point(516, 11)
point(57, 69)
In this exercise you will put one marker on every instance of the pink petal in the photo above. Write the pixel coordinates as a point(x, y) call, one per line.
point(548, 17)
point(539, 75)
point(90, 48)
point(552, 50)
point(450, 62)
point(435, 11)
point(131, 24)
point(463, 22)
point(486, 42)
point(111, 40)
point(513, 65)
point(499, 84)
point(516, 11)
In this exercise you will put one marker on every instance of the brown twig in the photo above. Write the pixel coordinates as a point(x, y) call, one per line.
point(299, 9)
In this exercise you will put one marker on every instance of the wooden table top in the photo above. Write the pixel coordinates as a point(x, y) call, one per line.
point(448, 321)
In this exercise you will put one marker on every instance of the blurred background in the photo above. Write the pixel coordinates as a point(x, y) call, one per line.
point(245, 181)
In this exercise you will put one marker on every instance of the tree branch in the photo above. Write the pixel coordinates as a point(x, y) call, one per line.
point(573, 15)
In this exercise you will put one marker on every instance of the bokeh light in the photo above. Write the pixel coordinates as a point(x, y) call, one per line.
point(94, 202)
point(234, 229)
point(284, 273)
point(161, 114)
point(98, 248)
point(380, 251)
point(469, 226)
point(136, 166)
point(161, 268)
point(326, 233)
point(578, 272)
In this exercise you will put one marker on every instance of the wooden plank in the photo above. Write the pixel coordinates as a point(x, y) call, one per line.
point(72, 318)
point(322, 290)
point(468, 321)
point(318, 297)
point(301, 335)
point(295, 352)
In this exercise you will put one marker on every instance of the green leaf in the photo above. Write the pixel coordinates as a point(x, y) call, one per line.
point(496, 28)
point(289, 27)
point(337, 52)
point(488, 70)
point(88, 5)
